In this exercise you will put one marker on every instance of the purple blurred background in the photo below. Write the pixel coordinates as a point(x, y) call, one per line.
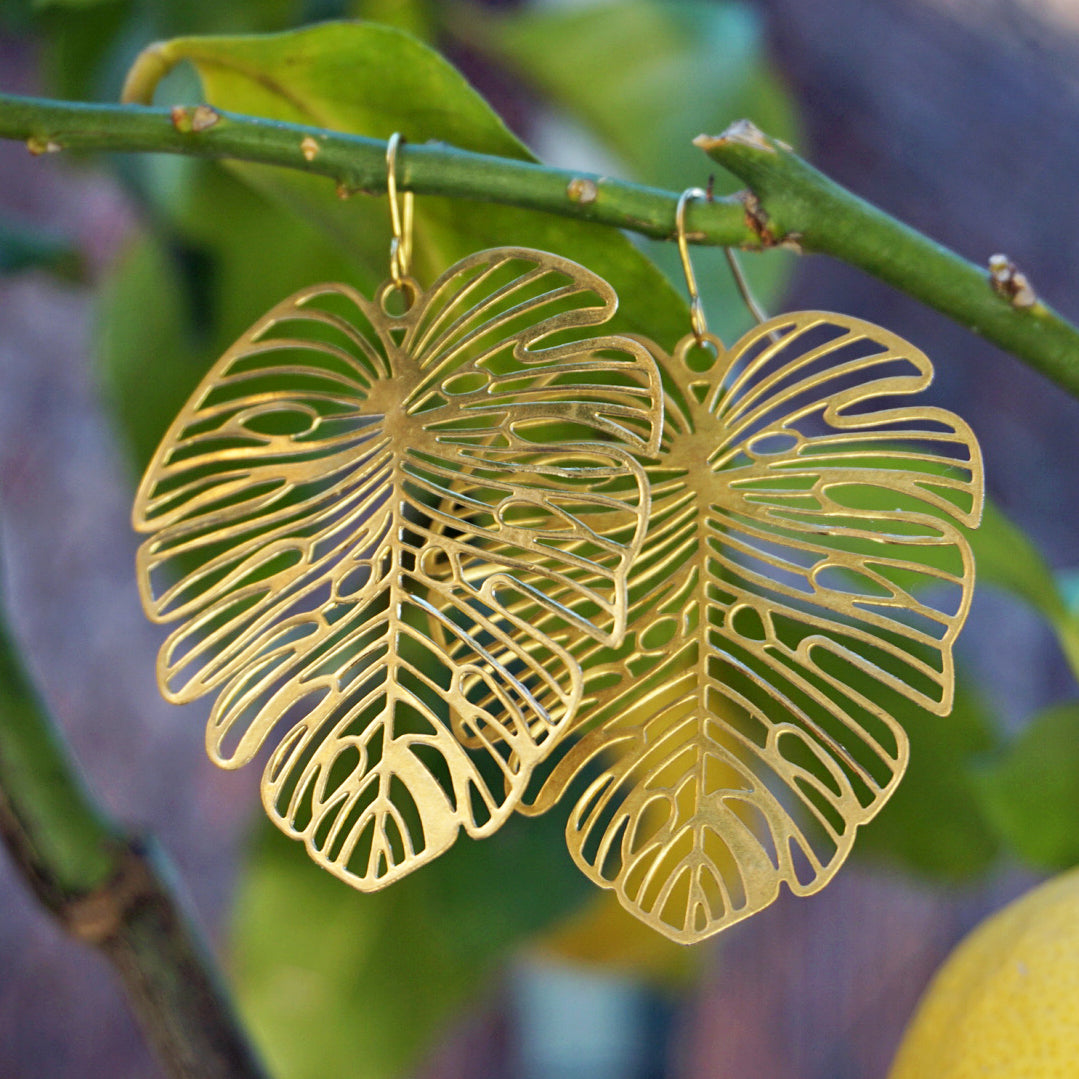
point(959, 117)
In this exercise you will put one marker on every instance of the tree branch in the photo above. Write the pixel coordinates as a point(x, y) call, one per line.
point(358, 164)
point(788, 202)
point(792, 201)
point(113, 891)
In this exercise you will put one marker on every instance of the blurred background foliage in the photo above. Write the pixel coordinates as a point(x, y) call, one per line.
point(363, 985)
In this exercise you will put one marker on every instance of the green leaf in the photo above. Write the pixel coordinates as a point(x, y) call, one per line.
point(1030, 790)
point(259, 252)
point(1007, 559)
point(373, 80)
point(934, 825)
point(333, 982)
point(145, 359)
point(646, 77)
point(182, 294)
point(416, 17)
point(87, 45)
point(42, 4)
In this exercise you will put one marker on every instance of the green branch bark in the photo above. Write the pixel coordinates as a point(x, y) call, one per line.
point(111, 890)
point(787, 202)
point(793, 202)
point(357, 164)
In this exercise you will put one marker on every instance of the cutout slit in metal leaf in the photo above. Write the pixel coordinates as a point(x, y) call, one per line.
point(346, 481)
point(803, 579)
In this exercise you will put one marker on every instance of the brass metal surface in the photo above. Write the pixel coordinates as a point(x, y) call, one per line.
point(447, 556)
point(804, 576)
point(400, 217)
point(696, 307)
point(347, 516)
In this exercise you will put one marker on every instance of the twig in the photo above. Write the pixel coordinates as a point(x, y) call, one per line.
point(112, 891)
point(787, 203)
point(358, 164)
point(792, 201)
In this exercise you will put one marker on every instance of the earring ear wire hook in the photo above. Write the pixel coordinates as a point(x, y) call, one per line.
point(400, 216)
point(742, 284)
point(696, 309)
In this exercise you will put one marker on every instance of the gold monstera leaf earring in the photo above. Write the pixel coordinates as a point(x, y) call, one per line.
point(804, 576)
point(346, 518)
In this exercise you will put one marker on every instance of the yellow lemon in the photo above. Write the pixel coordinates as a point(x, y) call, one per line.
point(1005, 1005)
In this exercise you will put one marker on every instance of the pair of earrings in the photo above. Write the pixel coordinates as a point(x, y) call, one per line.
point(453, 553)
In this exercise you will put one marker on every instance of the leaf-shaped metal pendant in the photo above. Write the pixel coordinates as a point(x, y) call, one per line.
point(343, 480)
point(804, 577)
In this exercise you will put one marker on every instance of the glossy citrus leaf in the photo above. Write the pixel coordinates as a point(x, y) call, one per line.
point(1029, 789)
point(415, 17)
point(806, 534)
point(644, 77)
point(184, 292)
point(935, 824)
point(142, 309)
point(342, 479)
point(309, 957)
point(1009, 560)
point(374, 80)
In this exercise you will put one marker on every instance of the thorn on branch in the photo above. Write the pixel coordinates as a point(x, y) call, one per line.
point(38, 145)
point(193, 121)
point(203, 118)
point(582, 190)
point(1009, 281)
point(744, 134)
point(740, 133)
point(309, 147)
